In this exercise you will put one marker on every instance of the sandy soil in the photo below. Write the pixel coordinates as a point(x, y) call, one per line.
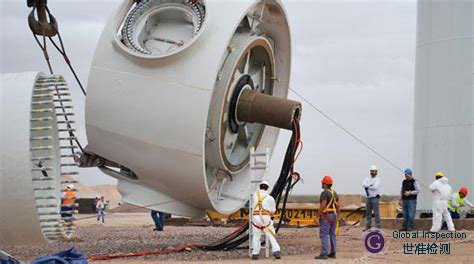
point(132, 232)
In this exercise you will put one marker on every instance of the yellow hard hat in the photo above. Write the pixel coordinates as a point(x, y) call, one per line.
point(440, 173)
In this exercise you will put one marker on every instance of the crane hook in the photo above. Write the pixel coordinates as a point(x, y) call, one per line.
point(46, 25)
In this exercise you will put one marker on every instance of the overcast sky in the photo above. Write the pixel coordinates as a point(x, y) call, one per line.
point(352, 59)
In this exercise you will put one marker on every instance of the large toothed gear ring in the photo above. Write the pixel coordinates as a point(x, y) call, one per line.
point(36, 150)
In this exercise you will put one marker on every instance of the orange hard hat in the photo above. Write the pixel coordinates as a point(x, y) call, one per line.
point(326, 179)
point(464, 190)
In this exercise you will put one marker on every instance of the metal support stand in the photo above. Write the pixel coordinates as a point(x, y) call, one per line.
point(257, 163)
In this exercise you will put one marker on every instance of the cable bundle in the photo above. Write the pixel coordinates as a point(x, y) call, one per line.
point(287, 179)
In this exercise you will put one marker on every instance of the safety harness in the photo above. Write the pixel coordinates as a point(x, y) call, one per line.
point(259, 210)
point(330, 207)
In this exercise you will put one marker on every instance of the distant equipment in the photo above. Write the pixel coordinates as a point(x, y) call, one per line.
point(178, 93)
point(35, 153)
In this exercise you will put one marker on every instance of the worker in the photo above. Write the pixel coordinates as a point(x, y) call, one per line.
point(371, 185)
point(67, 202)
point(457, 201)
point(94, 205)
point(441, 195)
point(101, 205)
point(262, 220)
point(158, 219)
point(327, 215)
point(408, 195)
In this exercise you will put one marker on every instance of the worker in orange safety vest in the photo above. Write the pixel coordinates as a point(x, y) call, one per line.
point(67, 201)
point(328, 212)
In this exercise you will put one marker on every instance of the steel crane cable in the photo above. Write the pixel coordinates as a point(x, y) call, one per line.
point(46, 56)
point(356, 138)
point(62, 51)
point(352, 135)
point(44, 29)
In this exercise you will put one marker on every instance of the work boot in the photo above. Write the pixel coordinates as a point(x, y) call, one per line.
point(277, 254)
point(332, 255)
point(366, 229)
point(321, 257)
point(403, 229)
point(254, 257)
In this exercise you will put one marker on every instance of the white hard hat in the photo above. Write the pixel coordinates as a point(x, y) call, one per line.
point(70, 186)
point(373, 168)
point(265, 182)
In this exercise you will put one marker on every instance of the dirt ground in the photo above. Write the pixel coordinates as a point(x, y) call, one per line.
point(132, 232)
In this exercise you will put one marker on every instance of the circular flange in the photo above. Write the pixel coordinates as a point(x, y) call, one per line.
point(256, 62)
point(245, 82)
point(157, 28)
point(249, 63)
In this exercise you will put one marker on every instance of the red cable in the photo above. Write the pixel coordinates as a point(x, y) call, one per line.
point(298, 142)
point(238, 229)
point(145, 253)
point(299, 152)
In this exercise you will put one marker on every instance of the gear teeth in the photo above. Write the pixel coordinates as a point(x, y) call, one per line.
point(50, 116)
point(128, 30)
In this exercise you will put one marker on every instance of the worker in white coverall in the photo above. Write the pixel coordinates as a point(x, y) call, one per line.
point(262, 220)
point(441, 195)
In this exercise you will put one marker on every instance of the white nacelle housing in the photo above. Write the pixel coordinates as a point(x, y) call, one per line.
point(160, 99)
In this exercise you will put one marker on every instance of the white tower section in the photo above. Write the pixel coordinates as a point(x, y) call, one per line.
point(444, 95)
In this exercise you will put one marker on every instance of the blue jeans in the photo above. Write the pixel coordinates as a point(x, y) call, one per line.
point(372, 204)
point(409, 211)
point(100, 215)
point(66, 209)
point(158, 218)
point(327, 233)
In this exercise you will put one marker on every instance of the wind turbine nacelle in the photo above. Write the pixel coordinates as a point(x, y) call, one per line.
point(179, 92)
